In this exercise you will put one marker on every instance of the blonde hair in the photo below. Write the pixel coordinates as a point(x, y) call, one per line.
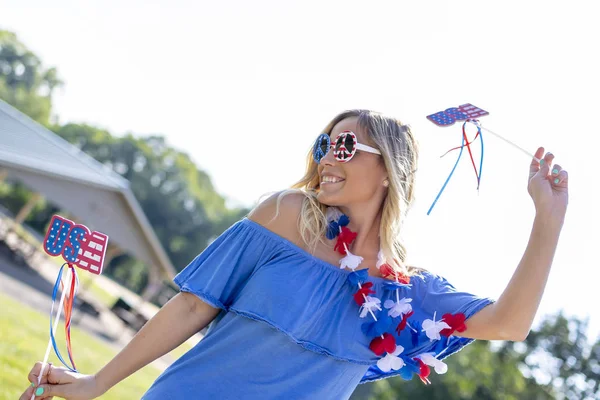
point(400, 152)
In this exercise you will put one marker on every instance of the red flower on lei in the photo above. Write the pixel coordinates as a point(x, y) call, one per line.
point(385, 344)
point(456, 322)
point(345, 237)
point(365, 290)
point(403, 322)
point(424, 371)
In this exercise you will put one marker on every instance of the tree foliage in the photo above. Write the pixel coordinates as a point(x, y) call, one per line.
point(24, 82)
point(179, 200)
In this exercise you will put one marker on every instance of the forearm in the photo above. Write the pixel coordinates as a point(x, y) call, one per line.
point(518, 304)
point(176, 321)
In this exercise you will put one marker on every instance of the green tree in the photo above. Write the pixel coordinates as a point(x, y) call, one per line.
point(24, 82)
point(560, 355)
point(179, 199)
point(28, 86)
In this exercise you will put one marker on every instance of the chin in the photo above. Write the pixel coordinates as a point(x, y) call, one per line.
point(328, 199)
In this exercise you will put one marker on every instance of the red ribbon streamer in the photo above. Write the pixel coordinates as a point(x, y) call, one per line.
point(468, 146)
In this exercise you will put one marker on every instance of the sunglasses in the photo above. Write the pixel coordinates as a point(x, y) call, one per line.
point(344, 147)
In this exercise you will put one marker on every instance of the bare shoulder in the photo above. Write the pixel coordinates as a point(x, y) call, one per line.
point(283, 222)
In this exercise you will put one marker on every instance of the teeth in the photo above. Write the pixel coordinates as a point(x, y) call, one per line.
point(331, 179)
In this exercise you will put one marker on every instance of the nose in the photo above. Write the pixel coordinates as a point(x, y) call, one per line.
point(328, 159)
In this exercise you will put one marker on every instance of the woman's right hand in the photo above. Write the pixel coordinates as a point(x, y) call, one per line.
point(60, 382)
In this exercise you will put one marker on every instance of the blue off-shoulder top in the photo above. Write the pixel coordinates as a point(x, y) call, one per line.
point(289, 327)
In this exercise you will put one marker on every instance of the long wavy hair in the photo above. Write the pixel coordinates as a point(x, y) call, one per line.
point(400, 152)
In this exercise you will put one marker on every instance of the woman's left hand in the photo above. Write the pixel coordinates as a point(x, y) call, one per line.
point(548, 186)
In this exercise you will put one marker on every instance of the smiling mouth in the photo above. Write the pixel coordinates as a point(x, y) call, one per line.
point(330, 180)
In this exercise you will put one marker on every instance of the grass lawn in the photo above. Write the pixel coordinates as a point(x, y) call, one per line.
point(23, 339)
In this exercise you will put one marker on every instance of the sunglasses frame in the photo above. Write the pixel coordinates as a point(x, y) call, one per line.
point(339, 153)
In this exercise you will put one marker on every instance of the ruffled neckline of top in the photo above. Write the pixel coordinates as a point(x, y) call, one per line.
point(308, 255)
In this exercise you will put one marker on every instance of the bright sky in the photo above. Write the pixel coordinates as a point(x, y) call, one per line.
point(245, 87)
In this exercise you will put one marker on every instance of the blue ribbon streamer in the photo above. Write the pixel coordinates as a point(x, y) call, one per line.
point(449, 176)
point(52, 338)
point(456, 164)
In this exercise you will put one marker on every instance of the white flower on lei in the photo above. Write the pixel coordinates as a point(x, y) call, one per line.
point(391, 361)
point(433, 328)
point(396, 309)
point(370, 305)
point(438, 365)
point(350, 261)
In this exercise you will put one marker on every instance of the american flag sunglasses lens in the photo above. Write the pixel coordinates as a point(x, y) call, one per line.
point(345, 146)
point(321, 147)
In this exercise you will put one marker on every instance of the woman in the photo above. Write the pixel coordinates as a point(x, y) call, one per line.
point(288, 322)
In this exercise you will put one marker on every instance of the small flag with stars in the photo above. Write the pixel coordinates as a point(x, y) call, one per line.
point(76, 243)
point(461, 113)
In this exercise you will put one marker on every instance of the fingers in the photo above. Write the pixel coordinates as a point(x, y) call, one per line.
point(559, 177)
point(35, 372)
point(46, 392)
point(47, 388)
point(61, 375)
point(27, 393)
point(535, 164)
point(51, 374)
point(555, 172)
point(42, 392)
point(545, 164)
point(541, 169)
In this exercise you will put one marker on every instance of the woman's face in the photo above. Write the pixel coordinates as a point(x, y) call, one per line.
point(355, 182)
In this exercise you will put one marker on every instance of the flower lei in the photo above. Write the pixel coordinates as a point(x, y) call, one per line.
point(383, 341)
